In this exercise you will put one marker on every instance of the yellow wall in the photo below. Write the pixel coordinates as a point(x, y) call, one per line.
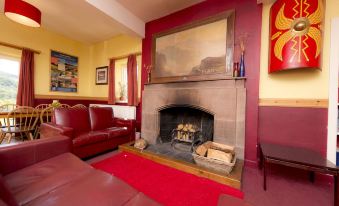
point(43, 40)
point(118, 46)
point(297, 84)
point(90, 56)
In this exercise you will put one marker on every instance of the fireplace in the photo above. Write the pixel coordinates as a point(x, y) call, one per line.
point(215, 108)
point(185, 124)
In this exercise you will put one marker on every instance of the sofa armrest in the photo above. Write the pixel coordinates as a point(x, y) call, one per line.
point(129, 123)
point(15, 157)
point(51, 130)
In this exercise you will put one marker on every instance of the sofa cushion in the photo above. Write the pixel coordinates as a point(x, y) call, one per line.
point(97, 188)
point(141, 200)
point(5, 195)
point(101, 117)
point(76, 118)
point(33, 181)
point(114, 132)
point(89, 138)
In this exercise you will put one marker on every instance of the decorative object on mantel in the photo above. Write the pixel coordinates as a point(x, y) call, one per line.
point(201, 50)
point(215, 156)
point(295, 34)
point(140, 144)
point(101, 77)
point(64, 72)
point(149, 70)
point(22, 13)
point(242, 42)
point(236, 69)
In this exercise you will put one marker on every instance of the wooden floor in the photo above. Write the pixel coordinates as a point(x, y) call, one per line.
point(232, 180)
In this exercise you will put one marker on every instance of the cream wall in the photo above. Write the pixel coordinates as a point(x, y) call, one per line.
point(297, 84)
point(43, 40)
point(101, 52)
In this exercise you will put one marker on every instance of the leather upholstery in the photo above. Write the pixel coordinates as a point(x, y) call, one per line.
point(101, 117)
point(104, 132)
point(43, 177)
point(141, 200)
point(15, 157)
point(113, 132)
point(89, 138)
point(6, 197)
point(63, 179)
point(76, 118)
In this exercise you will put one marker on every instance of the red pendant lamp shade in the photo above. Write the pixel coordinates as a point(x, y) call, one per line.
point(23, 13)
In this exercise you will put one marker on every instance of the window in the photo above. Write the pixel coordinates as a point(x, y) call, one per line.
point(121, 80)
point(9, 75)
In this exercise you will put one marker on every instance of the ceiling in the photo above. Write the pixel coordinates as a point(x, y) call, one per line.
point(92, 21)
point(148, 10)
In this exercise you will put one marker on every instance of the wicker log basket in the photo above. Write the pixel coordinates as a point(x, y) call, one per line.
point(223, 167)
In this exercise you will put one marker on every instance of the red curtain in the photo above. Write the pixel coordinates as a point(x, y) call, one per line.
point(25, 96)
point(111, 82)
point(132, 80)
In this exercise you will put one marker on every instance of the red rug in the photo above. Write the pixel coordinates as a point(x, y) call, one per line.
point(166, 185)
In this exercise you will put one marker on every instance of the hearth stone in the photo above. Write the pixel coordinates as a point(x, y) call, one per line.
point(178, 151)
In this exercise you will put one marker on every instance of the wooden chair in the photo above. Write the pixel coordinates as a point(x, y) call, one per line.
point(4, 109)
point(63, 106)
point(40, 108)
point(21, 120)
point(8, 107)
point(79, 106)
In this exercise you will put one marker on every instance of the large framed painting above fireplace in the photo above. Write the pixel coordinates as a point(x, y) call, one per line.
point(201, 50)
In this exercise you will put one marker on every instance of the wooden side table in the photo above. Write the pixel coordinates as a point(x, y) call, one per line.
point(298, 158)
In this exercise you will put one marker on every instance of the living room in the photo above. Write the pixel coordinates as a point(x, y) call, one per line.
point(169, 102)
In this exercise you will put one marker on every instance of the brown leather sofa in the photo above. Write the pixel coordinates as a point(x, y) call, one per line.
point(92, 130)
point(44, 172)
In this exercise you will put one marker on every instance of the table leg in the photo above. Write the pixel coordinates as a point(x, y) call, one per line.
point(260, 157)
point(264, 168)
point(335, 177)
point(311, 176)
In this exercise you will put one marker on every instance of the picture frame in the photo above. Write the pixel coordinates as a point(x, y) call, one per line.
point(63, 72)
point(200, 50)
point(101, 75)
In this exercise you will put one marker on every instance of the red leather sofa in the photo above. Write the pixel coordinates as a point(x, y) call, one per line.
point(92, 130)
point(44, 172)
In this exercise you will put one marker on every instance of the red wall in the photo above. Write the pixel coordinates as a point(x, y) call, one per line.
point(301, 127)
point(248, 20)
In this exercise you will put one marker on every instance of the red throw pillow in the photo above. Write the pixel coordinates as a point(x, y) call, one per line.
point(76, 118)
point(101, 117)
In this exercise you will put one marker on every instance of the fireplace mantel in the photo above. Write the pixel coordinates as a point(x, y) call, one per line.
point(225, 99)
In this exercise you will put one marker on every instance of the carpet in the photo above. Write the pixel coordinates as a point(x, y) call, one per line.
point(166, 185)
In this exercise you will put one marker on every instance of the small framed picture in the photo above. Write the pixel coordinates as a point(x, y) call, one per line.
point(101, 75)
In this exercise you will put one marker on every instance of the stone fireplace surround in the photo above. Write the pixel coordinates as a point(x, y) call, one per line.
point(225, 99)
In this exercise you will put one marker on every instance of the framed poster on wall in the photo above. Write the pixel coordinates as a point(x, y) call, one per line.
point(101, 76)
point(201, 50)
point(64, 72)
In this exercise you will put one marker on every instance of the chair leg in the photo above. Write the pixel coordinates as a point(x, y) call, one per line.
point(2, 137)
point(9, 137)
point(36, 133)
point(30, 136)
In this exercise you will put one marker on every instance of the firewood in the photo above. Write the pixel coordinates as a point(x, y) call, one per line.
point(219, 155)
point(201, 150)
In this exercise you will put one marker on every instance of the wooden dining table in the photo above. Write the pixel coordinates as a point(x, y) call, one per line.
point(4, 116)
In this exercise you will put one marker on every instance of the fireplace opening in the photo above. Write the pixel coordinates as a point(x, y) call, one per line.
point(185, 124)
